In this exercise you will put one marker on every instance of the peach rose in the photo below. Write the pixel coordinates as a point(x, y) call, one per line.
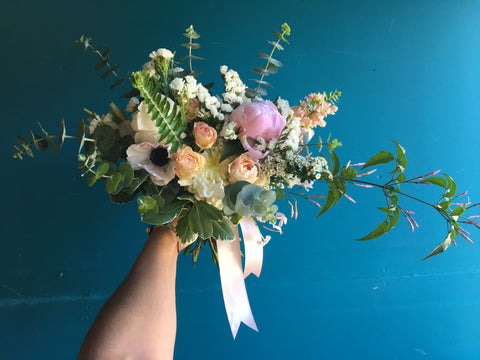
point(192, 109)
point(188, 163)
point(244, 168)
point(205, 135)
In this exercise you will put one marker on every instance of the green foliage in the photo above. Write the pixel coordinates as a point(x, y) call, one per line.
point(166, 114)
point(104, 61)
point(382, 157)
point(333, 97)
point(271, 66)
point(232, 147)
point(249, 200)
point(41, 143)
point(191, 35)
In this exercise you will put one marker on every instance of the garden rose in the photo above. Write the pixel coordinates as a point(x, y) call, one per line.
point(192, 109)
point(188, 163)
point(142, 120)
point(257, 119)
point(205, 135)
point(244, 168)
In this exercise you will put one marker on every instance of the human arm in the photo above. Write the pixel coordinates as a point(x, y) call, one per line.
point(139, 320)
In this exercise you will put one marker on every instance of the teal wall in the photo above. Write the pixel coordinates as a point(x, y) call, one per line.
point(409, 70)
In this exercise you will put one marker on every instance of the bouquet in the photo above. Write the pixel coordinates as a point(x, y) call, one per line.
point(220, 163)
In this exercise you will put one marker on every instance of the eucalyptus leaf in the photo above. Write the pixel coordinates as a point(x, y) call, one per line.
point(127, 172)
point(104, 138)
point(102, 169)
point(123, 197)
point(109, 71)
point(63, 133)
point(39, 142)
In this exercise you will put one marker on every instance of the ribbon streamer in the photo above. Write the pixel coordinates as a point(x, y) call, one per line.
point(252, 238)
point(234, 291)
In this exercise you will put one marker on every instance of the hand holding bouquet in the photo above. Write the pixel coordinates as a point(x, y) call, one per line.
point(216, 162)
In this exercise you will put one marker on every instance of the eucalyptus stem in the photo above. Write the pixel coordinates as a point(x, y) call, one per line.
point(268, 62)
point(114, 73)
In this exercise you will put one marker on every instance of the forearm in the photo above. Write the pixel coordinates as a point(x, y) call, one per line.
point(139, 320)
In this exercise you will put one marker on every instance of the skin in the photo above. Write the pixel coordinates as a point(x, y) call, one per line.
point(138, 322)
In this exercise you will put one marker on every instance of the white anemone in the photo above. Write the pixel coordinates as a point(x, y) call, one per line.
point(155, 159)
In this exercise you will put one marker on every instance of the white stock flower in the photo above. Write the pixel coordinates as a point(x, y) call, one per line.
point(163, 53)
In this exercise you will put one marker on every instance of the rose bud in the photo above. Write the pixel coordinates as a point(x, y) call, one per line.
point(205, 135)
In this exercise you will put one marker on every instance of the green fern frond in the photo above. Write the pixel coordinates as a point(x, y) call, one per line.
point(166, 114)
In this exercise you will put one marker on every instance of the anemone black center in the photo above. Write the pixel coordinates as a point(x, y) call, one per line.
point(159, 156)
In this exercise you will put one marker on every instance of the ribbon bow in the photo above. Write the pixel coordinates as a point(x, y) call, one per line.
point(232, 277)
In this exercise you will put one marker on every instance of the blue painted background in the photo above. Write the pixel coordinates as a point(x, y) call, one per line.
point(408, 70)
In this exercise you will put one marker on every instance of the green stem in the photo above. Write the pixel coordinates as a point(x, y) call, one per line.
point(108, 65)
point(268, 62)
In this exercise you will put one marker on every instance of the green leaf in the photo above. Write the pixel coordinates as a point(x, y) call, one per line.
point(116, 83)
point(101, 63)
point(232, 147)
point(91, 179)
point(458, 211)
point(104, 138)
point(436, 180)
point(259, 70)
point(127, 172)
point(109, 71)
point(336, 163)
point(383, 157)
point(401, 158)
point(39, 142)
point(442, 247)
point(381, 229)
point(63, 133)
point(184, 232)
point(329, 201)
point(207, 221)
point(165, 214)
point(102, 169)
point(118, 115)
point(146, 203)
point(275, 45)
point(123, 197)
point(114, 184)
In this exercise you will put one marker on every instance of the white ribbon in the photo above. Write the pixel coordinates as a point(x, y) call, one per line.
point(252, 238)
point(233, 286)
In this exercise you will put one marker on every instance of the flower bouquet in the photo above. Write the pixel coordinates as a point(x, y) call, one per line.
point(219, 164)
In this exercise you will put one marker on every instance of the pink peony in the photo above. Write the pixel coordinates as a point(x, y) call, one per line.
point(257, 119)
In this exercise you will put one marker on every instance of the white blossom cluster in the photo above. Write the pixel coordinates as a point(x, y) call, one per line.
point(234, 88)
point(291, 135)
point(188, 88)
point(208, 185)
point(229, 130)
point(287, 169)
